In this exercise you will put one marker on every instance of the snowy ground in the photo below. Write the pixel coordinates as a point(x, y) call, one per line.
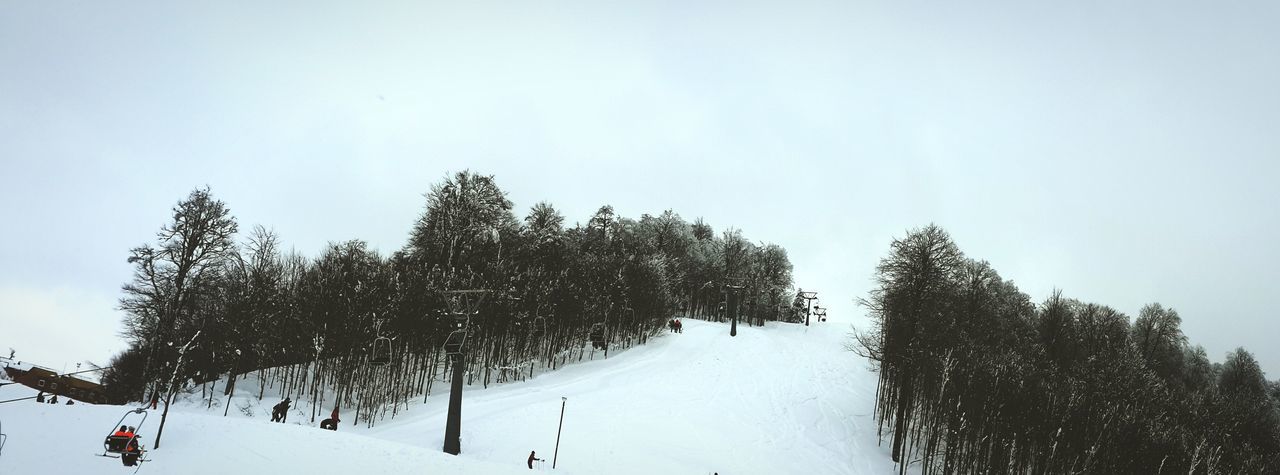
point(784, 399)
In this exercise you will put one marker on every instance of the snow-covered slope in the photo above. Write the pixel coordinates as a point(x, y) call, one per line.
point(782, 399)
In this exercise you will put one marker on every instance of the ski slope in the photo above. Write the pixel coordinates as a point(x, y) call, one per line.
point(780, 399)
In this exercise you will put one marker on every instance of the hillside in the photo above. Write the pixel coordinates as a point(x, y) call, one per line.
point(782, 399)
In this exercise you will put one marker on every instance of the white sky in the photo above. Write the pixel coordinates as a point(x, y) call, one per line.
point(1125, 152)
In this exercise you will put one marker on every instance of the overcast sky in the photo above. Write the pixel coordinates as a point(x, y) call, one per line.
point(1125, 152)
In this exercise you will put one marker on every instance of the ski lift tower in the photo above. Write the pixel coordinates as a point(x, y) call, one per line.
point(808, 297)
point(463, 305)
point(733, 291)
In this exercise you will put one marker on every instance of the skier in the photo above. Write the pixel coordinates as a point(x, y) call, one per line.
point(155, 399)
point(280, 411)
point(54, 399)
point(533, 457)
point(40, 396)
point(679, 326)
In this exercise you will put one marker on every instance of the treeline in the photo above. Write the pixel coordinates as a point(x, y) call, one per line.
point(975, 378)
point(202, 305)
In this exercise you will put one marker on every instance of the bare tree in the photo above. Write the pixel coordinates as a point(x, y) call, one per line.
point(189, 256)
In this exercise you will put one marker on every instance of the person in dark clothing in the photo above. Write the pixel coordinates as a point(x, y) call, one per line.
point(533, 457)
point(132, 451)
point(280, 411)
point(54, 399)
point(155, 399)
point(40, 396)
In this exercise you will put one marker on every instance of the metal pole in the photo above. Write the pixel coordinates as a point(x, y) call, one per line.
point(555, 456)
point(733, 311)
point(808, 310)
point(230, 391)
point(453, 426)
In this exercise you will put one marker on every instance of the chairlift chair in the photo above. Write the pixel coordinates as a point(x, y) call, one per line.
point(116, 446)
point(381, 354)
point(454, 343)
point(539, 326)
point(597, 336)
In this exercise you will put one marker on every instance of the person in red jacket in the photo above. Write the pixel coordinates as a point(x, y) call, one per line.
point(533, 457)
point(332, 422)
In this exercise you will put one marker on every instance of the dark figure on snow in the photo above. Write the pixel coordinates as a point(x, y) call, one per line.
point(155, 399)
point(679, 327)
point(281, 411)
point(70, 402)
point(54, 399)
point(671, 325)
point(40, 396)
point(332, 422)
point(132, 451)
point(533, 457)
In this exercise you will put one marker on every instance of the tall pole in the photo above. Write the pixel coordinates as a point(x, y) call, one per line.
point(733, 311)
point(808, 301)
point(463, 304)
point(556, 456)
point(732, 292)
point(453, 426)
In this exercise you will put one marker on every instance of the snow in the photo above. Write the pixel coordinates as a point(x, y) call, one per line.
point(780, 399)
